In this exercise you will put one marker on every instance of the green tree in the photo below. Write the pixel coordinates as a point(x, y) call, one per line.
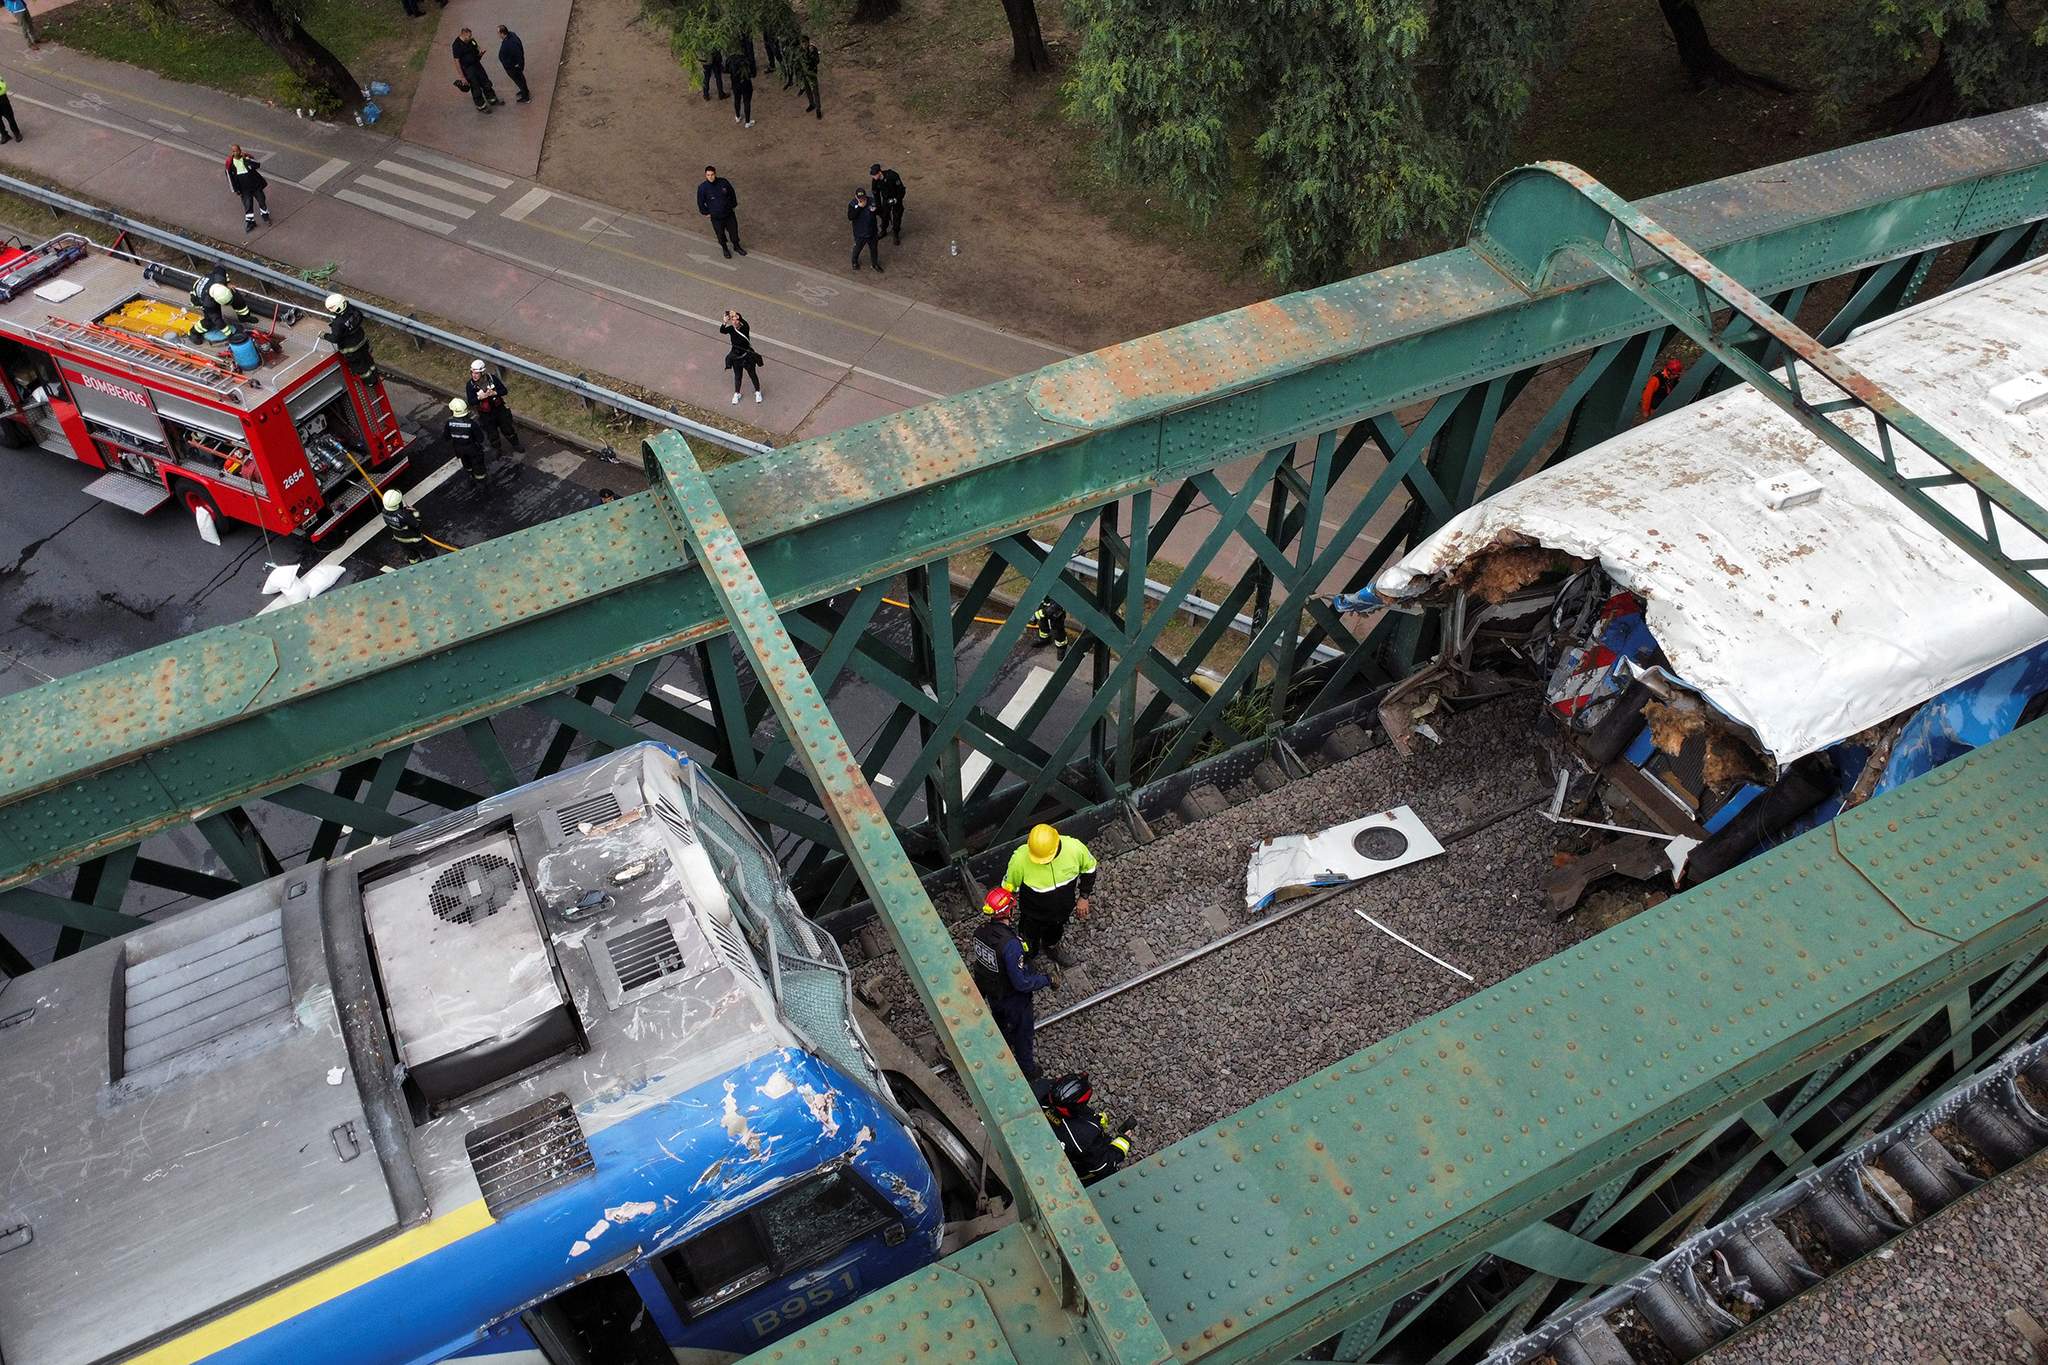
point(1941, 59)
point(1349, 126)
point(281, 27)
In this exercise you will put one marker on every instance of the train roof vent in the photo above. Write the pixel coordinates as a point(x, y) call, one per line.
point(635, 961)
point(474, 889)
point(601, 809)
point(219, 995)
point(732, 946)
point(675, 820)
point(530, 1151)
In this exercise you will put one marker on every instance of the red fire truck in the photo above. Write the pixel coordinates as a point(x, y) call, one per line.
point(99, 363)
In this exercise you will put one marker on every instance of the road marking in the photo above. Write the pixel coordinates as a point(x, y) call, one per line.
point(714, 262)
point(333, 166)
point(73, 80)
point(393, 211)
point(526, 203)
point(406, 192)
point(136, 133)
point(689, 699)
point(456, 167)
point(438, 182)
point(367, 532)
point(846, 365)
point(946, 356)
point(166, 126)
point(597, 223)
point(1028, 691)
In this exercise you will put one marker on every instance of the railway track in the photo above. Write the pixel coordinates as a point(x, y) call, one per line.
point(1188, 1007)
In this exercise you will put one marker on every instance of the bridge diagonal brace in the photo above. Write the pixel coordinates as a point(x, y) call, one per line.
point(1072, 1243)
point(1538, 213)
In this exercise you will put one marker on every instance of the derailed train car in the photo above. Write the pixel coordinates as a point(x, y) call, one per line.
point(566, 1077)
point(1739, 634)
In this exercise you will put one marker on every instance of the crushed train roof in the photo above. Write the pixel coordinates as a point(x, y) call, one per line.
point(1814, 622)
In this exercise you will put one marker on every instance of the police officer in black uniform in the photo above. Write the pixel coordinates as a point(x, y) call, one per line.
point(346, 332)
point(886, 190)
point(996, 957)
point(466, 438)
point(1094, 1148)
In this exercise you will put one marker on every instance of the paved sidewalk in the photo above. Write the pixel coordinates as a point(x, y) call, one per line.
point(607, 291)
point(508, 138)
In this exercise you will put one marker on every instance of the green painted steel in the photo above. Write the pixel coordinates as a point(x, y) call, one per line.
point(1280, 1226)
point(91, 764)
point(1537, 214)
point(1078, 1263)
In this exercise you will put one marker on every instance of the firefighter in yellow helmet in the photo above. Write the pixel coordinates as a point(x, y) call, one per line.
point(1053, 876)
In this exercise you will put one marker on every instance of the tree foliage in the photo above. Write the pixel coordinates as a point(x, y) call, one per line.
point(1941, 59)
point(1348, 126)
point(280, 25)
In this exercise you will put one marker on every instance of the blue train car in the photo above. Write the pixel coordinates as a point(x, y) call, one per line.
point(565, 1078)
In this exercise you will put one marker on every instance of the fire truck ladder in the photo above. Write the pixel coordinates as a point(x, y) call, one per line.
point(388, 437)
point(200, 371)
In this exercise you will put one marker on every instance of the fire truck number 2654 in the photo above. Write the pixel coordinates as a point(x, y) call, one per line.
point(296, 475)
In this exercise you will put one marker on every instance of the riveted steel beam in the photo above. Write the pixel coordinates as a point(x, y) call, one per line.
point(1076, 1255)
point(207, 723)
point(1535, 215)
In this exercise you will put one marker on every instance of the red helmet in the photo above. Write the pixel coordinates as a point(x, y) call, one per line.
point(1673, 368)
point(1000, 902)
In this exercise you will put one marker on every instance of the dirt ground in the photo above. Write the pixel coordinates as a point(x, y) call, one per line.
point(630, 128)
point(1048, 245)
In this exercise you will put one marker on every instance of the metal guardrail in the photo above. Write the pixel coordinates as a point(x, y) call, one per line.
point(412, 327)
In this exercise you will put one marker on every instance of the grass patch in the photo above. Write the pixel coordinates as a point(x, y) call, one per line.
point(199, 44)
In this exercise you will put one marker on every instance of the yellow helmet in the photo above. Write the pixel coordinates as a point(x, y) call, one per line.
point(1042, 843)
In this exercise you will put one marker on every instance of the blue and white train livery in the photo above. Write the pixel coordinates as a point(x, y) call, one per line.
point(565, 1078)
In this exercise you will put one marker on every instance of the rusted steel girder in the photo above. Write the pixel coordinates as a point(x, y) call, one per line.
point(1538, 213)
point(1081, 1264)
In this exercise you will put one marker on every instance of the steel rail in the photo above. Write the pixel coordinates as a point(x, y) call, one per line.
point(412, 327)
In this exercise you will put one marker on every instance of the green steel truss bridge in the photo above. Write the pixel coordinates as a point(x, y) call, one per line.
point(1534, 1142)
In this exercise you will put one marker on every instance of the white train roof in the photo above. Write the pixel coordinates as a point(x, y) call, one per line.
point(1810, 623)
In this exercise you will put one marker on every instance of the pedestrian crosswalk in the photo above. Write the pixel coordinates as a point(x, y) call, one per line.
point(425, 190)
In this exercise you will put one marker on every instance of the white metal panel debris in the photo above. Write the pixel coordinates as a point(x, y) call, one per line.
point(1295, 864)
point(1786, 586)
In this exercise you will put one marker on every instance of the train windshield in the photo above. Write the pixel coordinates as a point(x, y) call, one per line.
point(774, 1239)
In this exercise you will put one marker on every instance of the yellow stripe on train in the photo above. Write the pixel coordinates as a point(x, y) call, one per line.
point(234, 1328)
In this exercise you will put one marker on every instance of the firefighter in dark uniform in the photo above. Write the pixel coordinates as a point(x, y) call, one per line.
point(996, 956)
point(486, 394)
point(202, 285)
point(466, 439)
point(346, 332)
point(1052, 877)
point(1094, 1147)
point(406, 529)
point(1049, 627)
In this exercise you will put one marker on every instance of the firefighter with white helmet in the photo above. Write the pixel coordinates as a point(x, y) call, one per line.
point(487, 399)
point(346, 332)
point(407, 531)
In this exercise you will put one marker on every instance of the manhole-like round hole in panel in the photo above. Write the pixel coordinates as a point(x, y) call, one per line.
point(1381, 843)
